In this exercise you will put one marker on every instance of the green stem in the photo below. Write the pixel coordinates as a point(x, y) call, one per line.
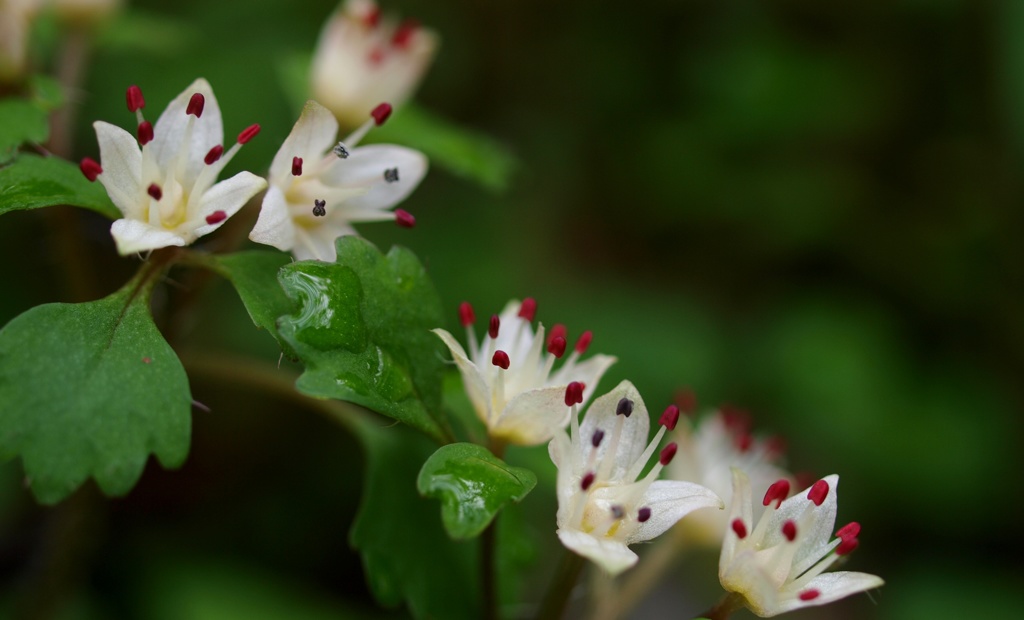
point(561, 587)
point(488, 554)
point(725, 608)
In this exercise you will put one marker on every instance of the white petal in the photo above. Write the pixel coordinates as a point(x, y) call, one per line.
point(228, 196)
point(611, 555)
point(169, 131)
point(532, 417)
point(633, 438)
point(472, 381)
point(587, 372)
point(740, 507)
point(134, 236)
point(365, 167)
point(311, 138)
point(318, 242)
point(670, 501)
point(274, 225)
point(745, 577)
point(815, 532)
point(832, 587)
point(121, 161)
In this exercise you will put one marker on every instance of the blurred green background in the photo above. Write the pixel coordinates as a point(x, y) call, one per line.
point(808, 209)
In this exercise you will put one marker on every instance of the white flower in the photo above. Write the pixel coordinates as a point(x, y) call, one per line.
point(16, 17)
point(602, 507)
point(166, 190)
point(319, 187)
point(362, 60)
point(777, 564)
point(721, 441)
point(513, 386)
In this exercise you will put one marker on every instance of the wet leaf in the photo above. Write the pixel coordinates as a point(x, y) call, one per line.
point(254, 276)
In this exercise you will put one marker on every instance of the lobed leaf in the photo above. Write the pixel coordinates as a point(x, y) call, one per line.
point(21, 121)
point(31, 182)
point(254, 276)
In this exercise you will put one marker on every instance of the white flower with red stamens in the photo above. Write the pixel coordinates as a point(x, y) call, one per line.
point(602, 506)
point(721, 441)
point(362, 59)
point(777, 565)
point(166, 190)
point(511, 382)
point(319, 187)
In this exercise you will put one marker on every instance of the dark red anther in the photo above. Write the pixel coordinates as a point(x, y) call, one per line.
point(584, 342)
point(809, 595)
point(670, 418)
point(154, 191)
point(744, 441)
point(556, 346)
point(90, 168)
point(625, 407)
point(847, 546)
point(775, 446)
point(213, 155)
point(466, 315)
point(404, 219)
point(296, 166)
point(643, 514)
point(595, 440)
point(558, 331)
point(216, 217)
point(381, 113)
point(818, 492)
point(195, 105)
point(573, 394)
point(737, 420)
point(492, 327)
point(789, 530)
point(500, 359)
point(850, 530)
point(588, 479)
point(248, 133)
point(372, 17)
point(528, 309)
point(404, 33)
point(686, 399)
point(739, 528)
point(135, 99)
point(668, 453)
point(145, 133)
point(778, 491)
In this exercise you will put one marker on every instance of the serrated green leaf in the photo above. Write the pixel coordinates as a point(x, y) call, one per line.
point(473, 486)
point(254, 276)
point(32, 182)
point(90, 390)
point(21, 121)
point(406, 554)
point(363, 332)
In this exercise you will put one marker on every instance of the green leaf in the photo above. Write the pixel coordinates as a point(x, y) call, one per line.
point(473, 486)
point(31, 182)
point(363, 332)
point(136, 31)
point(461, 151)
point(406, 554)
point(254, 276)
point(90, 390)
point(21, 121)
point(47, 92)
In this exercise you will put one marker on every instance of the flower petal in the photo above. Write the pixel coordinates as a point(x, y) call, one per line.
point(170, 129)
point(532, 417)
point(473, 381)
point(133, 236)
point(365, 167)
point(311, 138)
point(121, 160)
point(228, 196)
point(274, 225)
point(815, 532)
point(831, 587)
point(633, 438)
point(611, 555)
point(745, 577)
point(670, 501)
point(318, 242)
point(587, 372)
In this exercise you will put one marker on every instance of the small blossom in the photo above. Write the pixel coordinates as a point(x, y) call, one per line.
point(318, 190)
point(518, 394)
point(777, 563)
point(16, 17)
point(362, 59)
point(602, 505)
point(166, 190)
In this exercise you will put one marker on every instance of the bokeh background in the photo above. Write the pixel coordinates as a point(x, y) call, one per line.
point(808, 209)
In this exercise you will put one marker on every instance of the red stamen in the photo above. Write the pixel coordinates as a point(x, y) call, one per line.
point(404, 219)
point(847, 546)
point(213, 155)
point(248, 133)
point(500, 359)
point(643, 514)
point(775, 446)
point(381, 113)
point(789, 530)
point(134, 98)
point(154, 191)
point(145, 133)
point(668, 453)
point(670, 418)
point(744, 441)
point(573, 394)
point(466, 315)
point(528, 309)
point(584, 342)
point(296, 166)
point(372, 17)
point(90, 168)
point(778, 491)
point(739, 528)
point(492, 327)
point(195, 105)
point(850, 530)
point(376, 56)
point(686, 399)
point(737, 420)
point(588, 480)
point(809, 595)
point(556, 346)
point(556, 331)
point(404, 33)
point(216, 217)
point(818, 492)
